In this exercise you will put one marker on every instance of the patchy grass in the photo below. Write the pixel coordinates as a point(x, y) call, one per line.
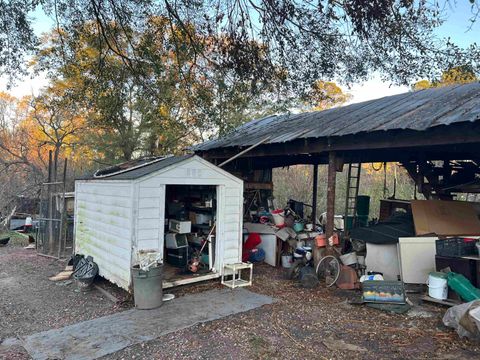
point(16, 239)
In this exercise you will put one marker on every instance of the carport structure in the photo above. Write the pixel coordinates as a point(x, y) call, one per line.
point(433, 133)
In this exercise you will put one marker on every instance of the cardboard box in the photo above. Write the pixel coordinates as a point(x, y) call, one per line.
point(445, 218)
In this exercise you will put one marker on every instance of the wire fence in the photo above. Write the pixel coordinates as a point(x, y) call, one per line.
point(54, 236)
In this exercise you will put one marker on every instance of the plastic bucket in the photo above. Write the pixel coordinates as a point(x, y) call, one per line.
point(287, 261)
point(437, 285)
point(147, 287)
point(349, 259)
point(298, 227)
point(334, 240)
point(278, 217)
point(321, 240)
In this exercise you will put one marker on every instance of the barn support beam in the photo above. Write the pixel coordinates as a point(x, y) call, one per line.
point(332, 177)
point(316, 250)
point(314, 194)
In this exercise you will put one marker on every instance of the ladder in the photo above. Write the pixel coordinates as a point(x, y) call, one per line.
point(353, 183)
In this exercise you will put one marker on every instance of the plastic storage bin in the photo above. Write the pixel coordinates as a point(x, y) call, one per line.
point(383, 291)
point(456, 247)
point(463, 287)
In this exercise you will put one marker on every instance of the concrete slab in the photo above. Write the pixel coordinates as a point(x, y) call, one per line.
point(98, 337)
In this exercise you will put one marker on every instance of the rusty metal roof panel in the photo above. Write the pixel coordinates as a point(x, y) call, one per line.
point(419, 110)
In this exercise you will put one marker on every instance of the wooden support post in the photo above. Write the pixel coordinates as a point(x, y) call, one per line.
point(314, 195)
point(316, 251)
point(50, 188)
point(332, 177)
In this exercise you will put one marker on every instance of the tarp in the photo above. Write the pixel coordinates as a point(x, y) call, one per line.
point(386, 232)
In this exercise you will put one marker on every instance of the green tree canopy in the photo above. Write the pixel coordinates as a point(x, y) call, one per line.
point(305, 40)
point(455, 75)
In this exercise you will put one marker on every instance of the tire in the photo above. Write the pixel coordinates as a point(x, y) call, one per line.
point(336, 266)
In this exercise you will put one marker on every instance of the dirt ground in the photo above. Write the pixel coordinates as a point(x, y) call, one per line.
point(302, 323)
point(30, 303)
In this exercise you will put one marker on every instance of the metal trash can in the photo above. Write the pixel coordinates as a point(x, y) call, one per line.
point(147, 287)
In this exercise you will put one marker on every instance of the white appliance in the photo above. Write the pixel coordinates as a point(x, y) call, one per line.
point(202, 218)
point(175, 240)
point(181, 227)
point(383, 258)
point(417, 258)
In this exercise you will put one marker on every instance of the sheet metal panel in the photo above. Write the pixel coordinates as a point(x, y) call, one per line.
point(419, 110)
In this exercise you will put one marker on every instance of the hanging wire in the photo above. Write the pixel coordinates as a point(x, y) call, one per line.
point(385, 190)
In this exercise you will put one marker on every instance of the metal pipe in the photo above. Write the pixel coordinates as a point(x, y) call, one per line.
point(244, 151)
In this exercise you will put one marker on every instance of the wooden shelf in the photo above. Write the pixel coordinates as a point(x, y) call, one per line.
point(258, 186)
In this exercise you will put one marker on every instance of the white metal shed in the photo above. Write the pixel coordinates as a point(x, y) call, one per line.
point(119, 214)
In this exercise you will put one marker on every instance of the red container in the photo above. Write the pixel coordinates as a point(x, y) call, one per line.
point(321, 240)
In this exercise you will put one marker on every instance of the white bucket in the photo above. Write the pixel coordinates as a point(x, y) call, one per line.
point(279, 218)
point(349, 259)
point(287, 261)
point(437, 287)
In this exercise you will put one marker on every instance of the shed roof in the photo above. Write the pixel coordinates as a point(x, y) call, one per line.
point(419, 110)
point(138, 168)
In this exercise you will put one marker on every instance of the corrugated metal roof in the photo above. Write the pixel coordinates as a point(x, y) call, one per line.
point(135, 173)
point(419, 110)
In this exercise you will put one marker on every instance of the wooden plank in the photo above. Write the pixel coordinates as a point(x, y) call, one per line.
point(258, 186)
point(190, 280)
point(447, 302)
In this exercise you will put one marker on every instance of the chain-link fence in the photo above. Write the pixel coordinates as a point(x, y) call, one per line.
point(52, 229)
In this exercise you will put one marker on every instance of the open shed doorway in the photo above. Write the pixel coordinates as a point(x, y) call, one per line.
point(191, 212)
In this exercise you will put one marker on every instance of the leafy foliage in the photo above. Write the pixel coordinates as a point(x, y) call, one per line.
point(455, 75)
point(325, 95)
point(289, 42)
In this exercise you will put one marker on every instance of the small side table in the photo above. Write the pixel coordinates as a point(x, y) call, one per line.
point(236, 272)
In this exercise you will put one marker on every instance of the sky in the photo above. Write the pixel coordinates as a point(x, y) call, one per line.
point(456, 27)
